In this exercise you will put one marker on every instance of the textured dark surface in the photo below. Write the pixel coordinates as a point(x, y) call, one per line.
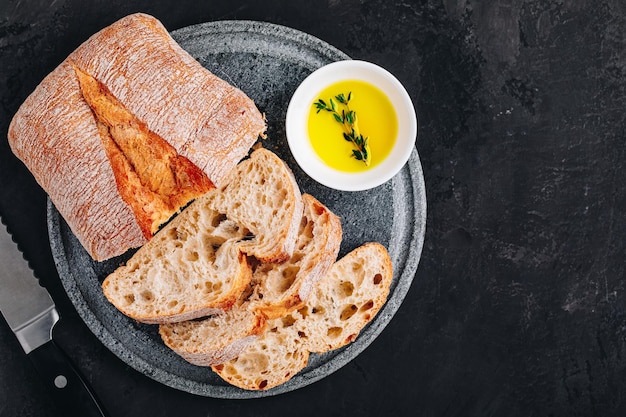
point(518, 304)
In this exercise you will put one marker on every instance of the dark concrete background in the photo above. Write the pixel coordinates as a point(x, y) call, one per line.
point(518, 305)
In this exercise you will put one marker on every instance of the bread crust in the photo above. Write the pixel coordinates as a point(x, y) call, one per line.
point(54, 126)
point(55, 132)
point(203, 117)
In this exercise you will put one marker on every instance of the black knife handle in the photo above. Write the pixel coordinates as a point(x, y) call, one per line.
point(71, 392)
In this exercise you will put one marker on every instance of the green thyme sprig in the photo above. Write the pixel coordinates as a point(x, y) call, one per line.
point(349, 121)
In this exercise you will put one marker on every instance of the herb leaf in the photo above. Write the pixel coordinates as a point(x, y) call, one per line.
point(348, 119)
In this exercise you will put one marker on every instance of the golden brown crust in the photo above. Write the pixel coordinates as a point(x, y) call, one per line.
point(150, 176)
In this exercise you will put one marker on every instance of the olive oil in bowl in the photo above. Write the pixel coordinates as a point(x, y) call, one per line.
point(376, 120)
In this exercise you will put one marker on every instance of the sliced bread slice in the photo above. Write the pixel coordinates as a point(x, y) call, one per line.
point(191, 268)
point(282, 288)
point(345, 300)
point(262, 195)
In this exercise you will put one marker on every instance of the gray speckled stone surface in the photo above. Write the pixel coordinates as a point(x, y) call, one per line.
point(267, 62)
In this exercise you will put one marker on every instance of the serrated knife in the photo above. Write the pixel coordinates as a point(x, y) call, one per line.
point(32, 315)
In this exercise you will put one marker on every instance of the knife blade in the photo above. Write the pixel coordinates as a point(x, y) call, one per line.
point(32, 315)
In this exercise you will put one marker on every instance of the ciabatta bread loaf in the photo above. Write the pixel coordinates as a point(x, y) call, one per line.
point(195, 265)
point(344, 301)
point(275, 290)
point(127, 130)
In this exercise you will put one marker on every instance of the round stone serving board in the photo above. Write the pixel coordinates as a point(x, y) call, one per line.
point(267, 62)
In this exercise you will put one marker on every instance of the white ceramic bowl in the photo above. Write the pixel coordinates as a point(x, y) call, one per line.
point(297, 117)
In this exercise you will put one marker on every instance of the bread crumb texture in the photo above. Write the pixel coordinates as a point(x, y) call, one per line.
point(268, 203)
point(188, 270)
point(343, 302)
